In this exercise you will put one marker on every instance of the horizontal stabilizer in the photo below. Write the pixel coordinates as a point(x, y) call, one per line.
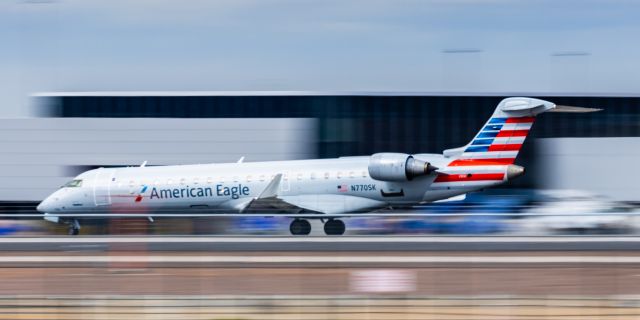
point(571, 109)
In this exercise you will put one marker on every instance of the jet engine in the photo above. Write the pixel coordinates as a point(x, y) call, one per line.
point(397, 167)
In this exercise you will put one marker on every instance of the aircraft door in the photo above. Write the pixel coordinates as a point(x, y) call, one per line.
point(285, 185)
point(102, 186)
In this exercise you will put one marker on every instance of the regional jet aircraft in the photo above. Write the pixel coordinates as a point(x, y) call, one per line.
point(325, 189)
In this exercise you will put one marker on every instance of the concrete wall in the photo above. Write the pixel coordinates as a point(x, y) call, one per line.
point(605, 166)
point(37, 155)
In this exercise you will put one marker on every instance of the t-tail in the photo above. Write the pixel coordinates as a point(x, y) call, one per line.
point(501, 138)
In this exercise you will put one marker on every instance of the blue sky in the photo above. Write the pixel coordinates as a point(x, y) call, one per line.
point(373, 45)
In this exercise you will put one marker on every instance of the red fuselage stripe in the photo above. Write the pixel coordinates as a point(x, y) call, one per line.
point(469, 177)
point(481, 162)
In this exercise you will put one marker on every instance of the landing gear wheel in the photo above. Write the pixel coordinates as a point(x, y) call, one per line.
point(74, 227)
point(73, 231)
point(300, 227)
point(334, 227)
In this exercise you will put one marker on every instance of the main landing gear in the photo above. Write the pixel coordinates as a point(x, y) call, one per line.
point(334, 227)
point(302, 227)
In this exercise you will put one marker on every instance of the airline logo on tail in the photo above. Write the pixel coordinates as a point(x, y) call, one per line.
point(497, 143)
point(502, 134)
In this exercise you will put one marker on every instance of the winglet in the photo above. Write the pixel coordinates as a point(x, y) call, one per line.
point(271, 191)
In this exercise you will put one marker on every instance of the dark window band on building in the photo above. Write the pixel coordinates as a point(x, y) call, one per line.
point(360, 124)
point(392, 116)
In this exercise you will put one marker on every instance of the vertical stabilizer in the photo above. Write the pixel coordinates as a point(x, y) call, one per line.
point(502, 136)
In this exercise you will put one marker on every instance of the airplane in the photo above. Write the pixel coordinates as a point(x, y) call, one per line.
point(326, 189)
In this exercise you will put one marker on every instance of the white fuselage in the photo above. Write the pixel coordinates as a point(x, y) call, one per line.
point(325, 185)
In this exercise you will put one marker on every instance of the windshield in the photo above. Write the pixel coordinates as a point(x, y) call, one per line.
point(73, 184)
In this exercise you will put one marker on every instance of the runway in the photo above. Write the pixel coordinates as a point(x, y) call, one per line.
point(320, 307)
point(319, 277)
point(258, 260)
point(321, 243)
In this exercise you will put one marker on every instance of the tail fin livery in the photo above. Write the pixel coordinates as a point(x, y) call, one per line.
point(500, 139)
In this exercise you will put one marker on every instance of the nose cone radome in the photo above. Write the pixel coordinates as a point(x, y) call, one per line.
point(514, 171)
point(45, 206)
point(42, 207)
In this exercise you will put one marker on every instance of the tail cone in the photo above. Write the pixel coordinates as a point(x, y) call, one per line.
point(514, 171)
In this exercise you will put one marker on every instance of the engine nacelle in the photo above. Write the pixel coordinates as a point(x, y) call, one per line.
point(397, 167)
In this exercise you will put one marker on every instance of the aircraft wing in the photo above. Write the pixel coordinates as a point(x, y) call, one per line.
point(332, 203)
point(269, 200)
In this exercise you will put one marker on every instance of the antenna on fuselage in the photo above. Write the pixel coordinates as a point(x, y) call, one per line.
point(144, 164)
point(241, 160)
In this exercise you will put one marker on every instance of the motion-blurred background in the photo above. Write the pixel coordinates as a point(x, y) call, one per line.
point(87, 84)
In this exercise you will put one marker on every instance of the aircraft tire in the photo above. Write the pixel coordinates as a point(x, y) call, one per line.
point(74, 231)
point(300, 227)
point(334, 227)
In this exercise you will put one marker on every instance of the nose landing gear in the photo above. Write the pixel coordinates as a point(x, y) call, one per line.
point(74, 227)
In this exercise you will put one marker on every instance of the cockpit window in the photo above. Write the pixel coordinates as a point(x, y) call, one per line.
point(73, 184)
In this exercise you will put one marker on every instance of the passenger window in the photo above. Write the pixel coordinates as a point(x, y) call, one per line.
point(183, 181)
point(364, 174)
point(262, 177)
point(195, 180)
point(131, 183)
point(209, 180)
point(169, 182)
point(285, 177)
point(313, 175)
point(248, 178)
point(326, 175)
point(352, 175)
point(339, 175)
point(235, 179)
point(299, 176)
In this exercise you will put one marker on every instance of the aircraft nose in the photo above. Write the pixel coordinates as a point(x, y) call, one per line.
point(45, 206)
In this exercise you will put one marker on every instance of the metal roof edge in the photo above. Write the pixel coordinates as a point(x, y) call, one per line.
point(320, 93)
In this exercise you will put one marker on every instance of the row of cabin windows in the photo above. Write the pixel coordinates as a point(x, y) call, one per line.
point(262, 178)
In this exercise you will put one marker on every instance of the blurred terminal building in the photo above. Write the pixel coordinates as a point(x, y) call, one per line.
point(71, 132)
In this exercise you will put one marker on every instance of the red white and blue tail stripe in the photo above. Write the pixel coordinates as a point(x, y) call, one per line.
point(488, 159)
point(497, 143)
